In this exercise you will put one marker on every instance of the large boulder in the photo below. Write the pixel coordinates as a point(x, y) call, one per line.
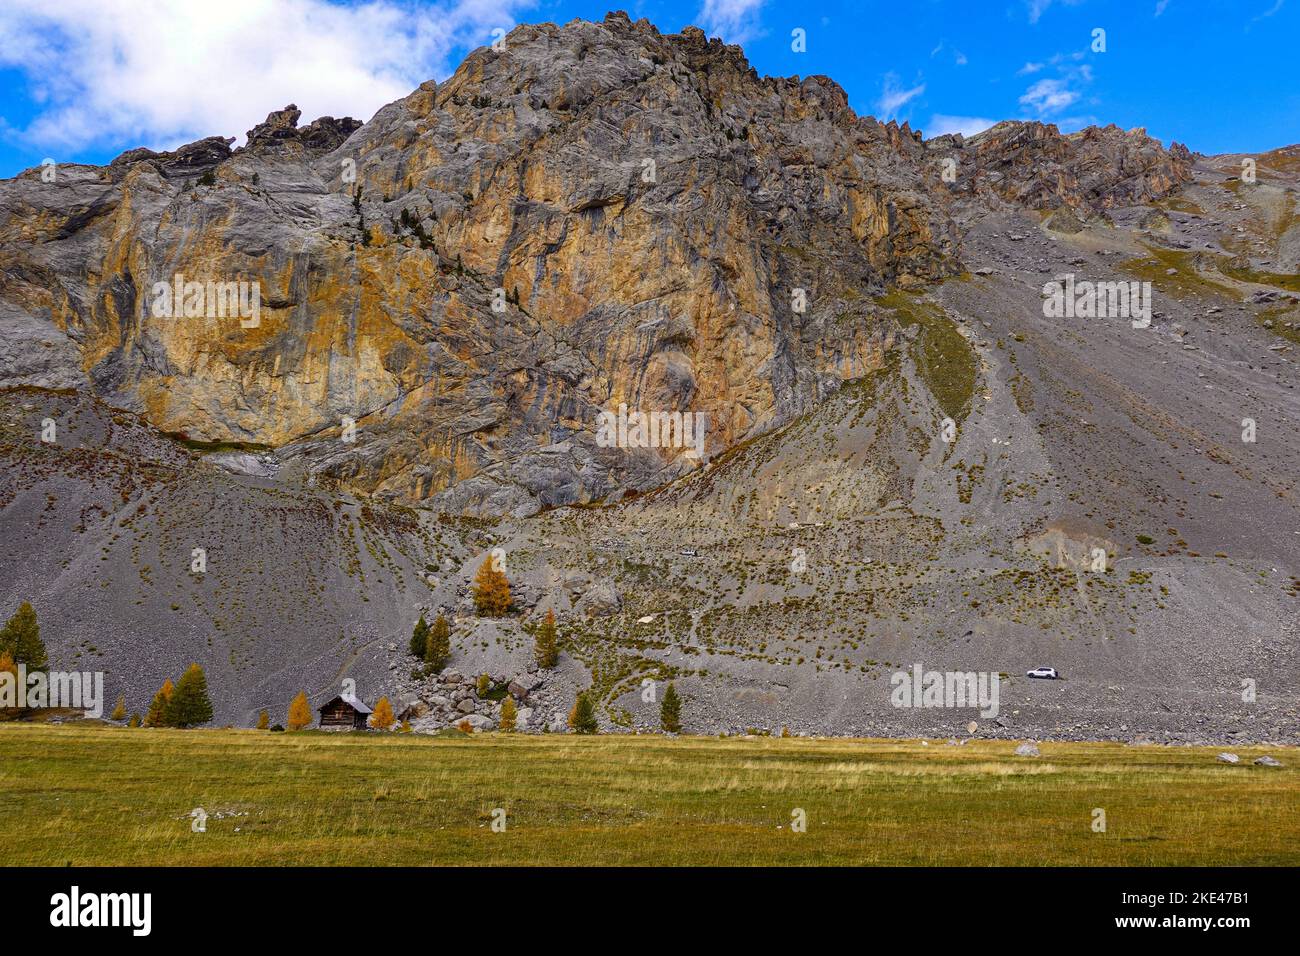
point(521, 685)
point(601, 600)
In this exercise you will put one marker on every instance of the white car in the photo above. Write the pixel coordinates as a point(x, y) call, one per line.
point(1046, 673)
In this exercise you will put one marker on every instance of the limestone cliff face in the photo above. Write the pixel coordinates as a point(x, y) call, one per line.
point(595, 215)
point(1088, 172)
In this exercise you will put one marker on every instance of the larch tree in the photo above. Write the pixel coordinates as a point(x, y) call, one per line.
point(382, 718)
point(190, 704)
point(438, 647)
point(119, 709)
point(545, 643)
point(21, 637)
point(419, 637)
point(670, 711)
point(509, 713)
point(491, 589)
point(299, 712)
point(583, 716)
point(157, 714)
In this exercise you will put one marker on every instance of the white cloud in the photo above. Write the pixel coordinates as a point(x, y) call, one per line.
point(958, 57)
point(941, 124)
point(1267, 13)
point(1048, 96)
point(736, 21)
point(1037, 8)
point(164, 72)
point(893, 97)
point(1161, 5)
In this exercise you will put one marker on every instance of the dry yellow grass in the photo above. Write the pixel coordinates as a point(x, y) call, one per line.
point(99, 795)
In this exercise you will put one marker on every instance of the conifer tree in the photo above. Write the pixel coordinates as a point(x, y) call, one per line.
point(134, 721)
point(21, 637)
point(670, 711)
point(263, 720)
point(509, 713)
point(544, 644)
point(299, 712)
point(438, 646)
point(382, 718)
point(157, 715)
point(491, 590)
point(419, 637)
point(582, 718)
point(119, 709)
point(190, 705)
point(483, 685)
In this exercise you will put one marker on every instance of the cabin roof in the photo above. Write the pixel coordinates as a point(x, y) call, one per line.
point(349, 700)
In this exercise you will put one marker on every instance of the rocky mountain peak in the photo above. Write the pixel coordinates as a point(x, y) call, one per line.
point(280, 124)
point(280, 132)
point(666, 228)
point(1034, 165)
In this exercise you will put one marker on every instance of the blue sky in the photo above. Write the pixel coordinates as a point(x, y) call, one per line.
point(82, 80)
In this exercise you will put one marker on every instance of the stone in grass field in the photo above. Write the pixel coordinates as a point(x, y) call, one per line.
point(1027, 749)
point(1228, 758)
point(1267, 762)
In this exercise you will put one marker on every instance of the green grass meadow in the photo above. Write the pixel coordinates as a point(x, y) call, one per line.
point(89, 794)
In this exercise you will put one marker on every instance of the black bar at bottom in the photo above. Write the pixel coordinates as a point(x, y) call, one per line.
point(386, 906)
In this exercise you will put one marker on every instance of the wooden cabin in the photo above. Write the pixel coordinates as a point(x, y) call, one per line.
point(344, 712)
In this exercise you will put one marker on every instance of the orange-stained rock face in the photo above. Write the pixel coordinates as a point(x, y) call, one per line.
point(597, 215)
